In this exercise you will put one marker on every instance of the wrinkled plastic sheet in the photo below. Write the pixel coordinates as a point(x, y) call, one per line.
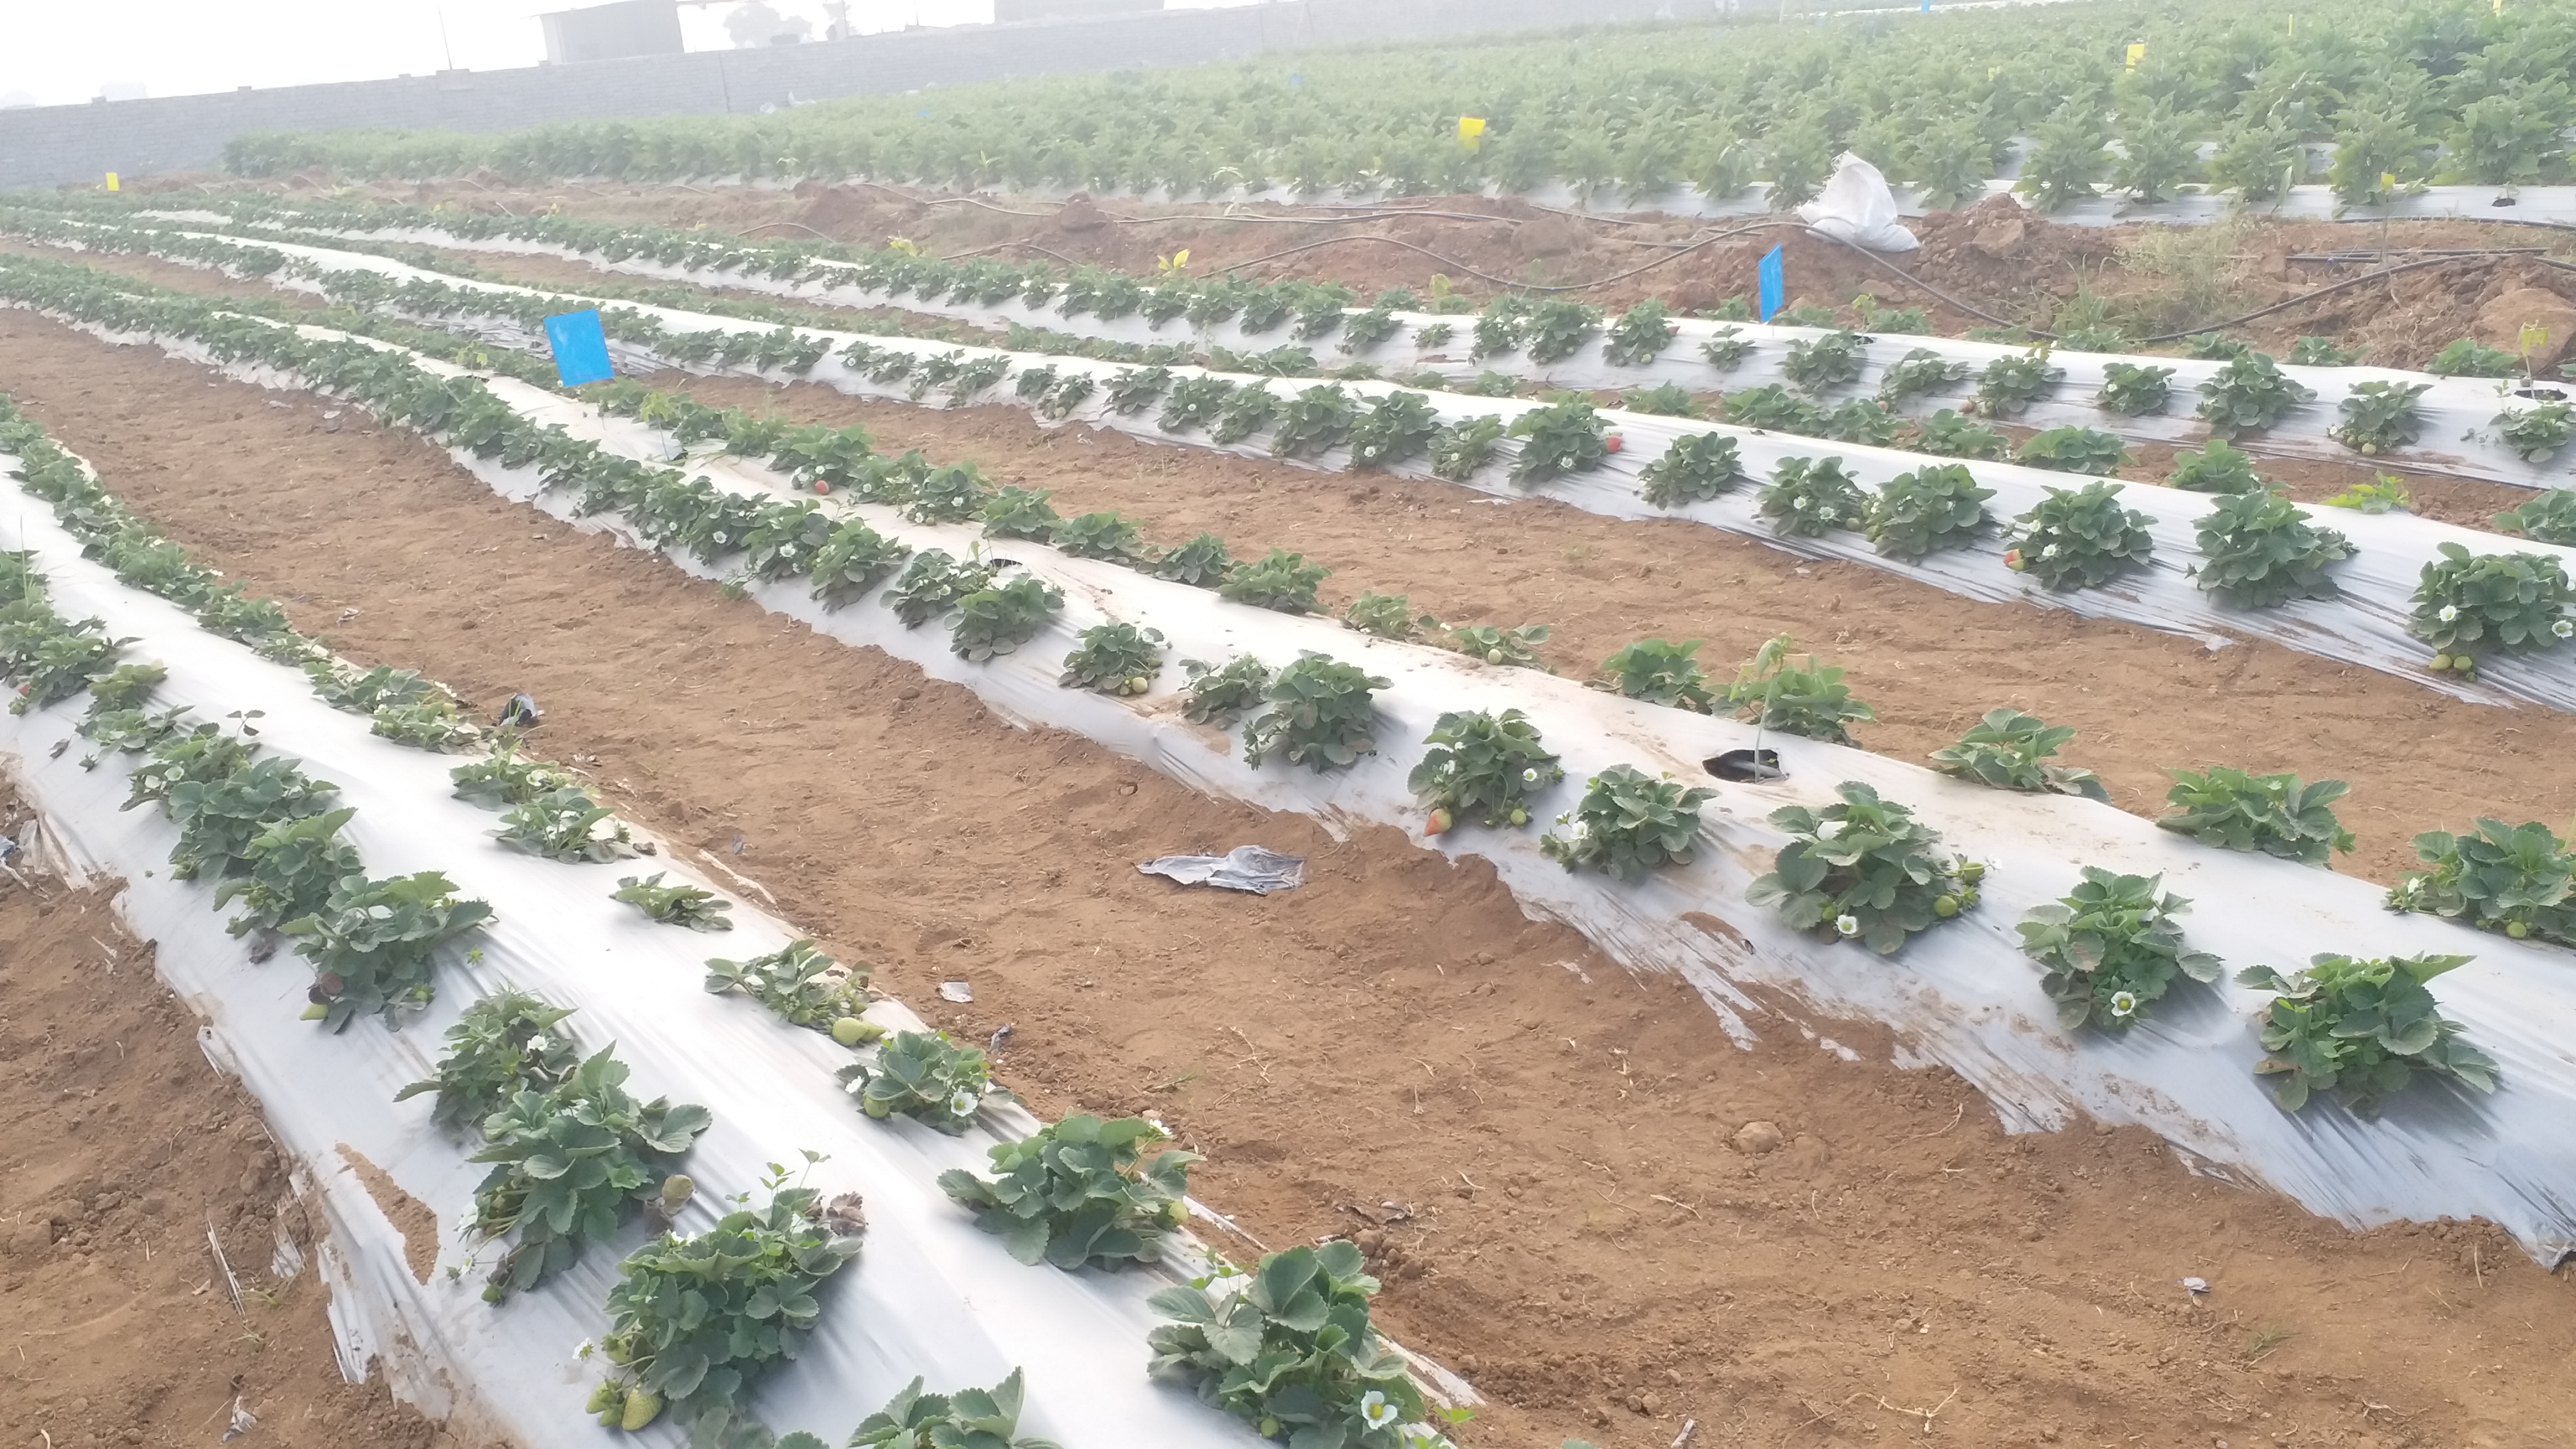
point(2458, 437)
point(1857, 207)
point(2367, 625)
point(1961, 995)
point(1244, 868)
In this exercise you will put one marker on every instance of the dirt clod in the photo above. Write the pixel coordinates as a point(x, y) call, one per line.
point(1756, 1138)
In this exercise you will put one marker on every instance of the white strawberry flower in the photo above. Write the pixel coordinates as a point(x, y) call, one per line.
point(2562, 629)
point(2049, 552)
point(961, 1103)
point(2449, 613)
point(1848, 924)
point(2124, 1003)
point(1376, 1412)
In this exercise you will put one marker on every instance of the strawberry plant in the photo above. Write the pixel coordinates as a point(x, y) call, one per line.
point(289, 870)
point(1628, 823)
point(1388, 616)
point(1516, 648)
point(1278, 580)
point(1773, 408)
point(1918, 372)
point(1639, 336)
point(1696, 468)
point(2362, 1029)
point(1947, 434)
point(2009, 750)
point(1805, 699)
point(932, 584)
point(1220, 695)
point(2468, 357)
point(1662, 673)
point(1860, 420)
point(1114, 658)
point(2134, 389)
point(999, 618)
point(2074, 450)
point(1132, 390)
point(2379, 416)
point(1079, 1192)
point(2498, 877)
point(219, 817)
point(1551, 331)
point(804, 986)
point(2380, 495)
point(566, 824)
point(851, 560)
point(1563, 437)
point(1193, 402)
point(2260, 551)
point(1482, 762)
point(571, 1163)
point(1365, 330)
point(1201, 563)
point(504, 1044)
point(1929, 509)
point(1864, 870)
point(2078, 539)
point(693, 1322)
point(2112, 949)
point(1289, 1349)
point(1246, 411)
point(1018, 513)
point(1815, 364)
point(2321, 352)
point(1498, 327)
point(1103, 535)
point(1321, 709)
point(783, 539)
point(1398, 427)
point(925, 1077)
point(953, 494)
point(2009, 385)
point(2221, 469)
point(370, 944)
point(1811, 497)
point(969, 1418)
point(2274, 814)
point(1725, 348)
point(1663, 400)
point(674, 905)
point(2249, 394)
point(2466, 604)
point(2548, 517)
point(2537, 432)
point(1313, 421)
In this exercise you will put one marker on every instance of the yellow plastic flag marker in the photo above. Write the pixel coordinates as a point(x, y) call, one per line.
point(2387, 180)
point(111, 181)
point(1471, 132)
point(2137, 52)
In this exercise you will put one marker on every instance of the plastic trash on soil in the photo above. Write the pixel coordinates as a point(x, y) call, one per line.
point(1857, 207)
point(1244, 868)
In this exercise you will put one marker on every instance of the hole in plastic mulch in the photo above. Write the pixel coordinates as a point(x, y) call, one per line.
point(1746, 766)
point(2544, 394)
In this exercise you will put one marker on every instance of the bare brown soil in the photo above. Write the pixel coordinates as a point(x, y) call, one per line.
point(125, 1148)
point(1992, 261)
point(1579, 1230)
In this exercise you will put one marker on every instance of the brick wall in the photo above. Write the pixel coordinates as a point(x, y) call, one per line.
point(48, 145)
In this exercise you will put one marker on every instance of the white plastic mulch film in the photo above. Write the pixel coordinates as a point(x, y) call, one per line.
point(2366, 625)
point(1961, 995)
point(929, 1294)
point(2458, 438)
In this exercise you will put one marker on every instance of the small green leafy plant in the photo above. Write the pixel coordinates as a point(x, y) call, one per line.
point(1660, 672)
point(1114, 658)
point(2468, 604)
point(1314, 420)
point(2079, 539)
point(1080, 1191)
point(2379, 416)
point(1628, 823)
point(2075, 450)
point(1560, 438)
point(1516, 648)
point(2380, 495)
point(1813, 496)
point(2009, 385)
point(1102, 535)
point(1639, 336)
point(1805, 699)
point(2547, 517)
point(932, 584)
point(504, 1044)
point(2536, 432)
point(2249, 394)
point(1834, 360)
point(2362, 1029)
point(2321, 352)
point(1462, 447)
point(1290, 1350)
point(1201, 563)
point(1924, 511)
point(2219, 469)
point(371, 944)
point(1278, 580)
point(1917, 373)
point(1397, 428)
point(968, 1419)
point(1221, 695)
point(674, 905)
point(569, 825)
point(1018, 513)
point(1388, 616)
point(2134, 389)
point(1482, 762)
point(924, 1076)
point(1321, 710)
point(2274, 814)
point(2260, 551)
point(852, 560)
point(2010, 750)
point(1663, 400)
point(1947, 434)
point(803, 985)
point(2112, 949)
point(1864, 870)
point(1696, 468)
point(999, 619)
point(2511, 879)
point(2468, 357)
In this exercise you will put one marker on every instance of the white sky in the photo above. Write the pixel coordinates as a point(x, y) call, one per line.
point(60, 52)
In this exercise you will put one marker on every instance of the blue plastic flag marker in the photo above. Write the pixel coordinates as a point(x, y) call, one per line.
point(581, 347)
point(1775, 284)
